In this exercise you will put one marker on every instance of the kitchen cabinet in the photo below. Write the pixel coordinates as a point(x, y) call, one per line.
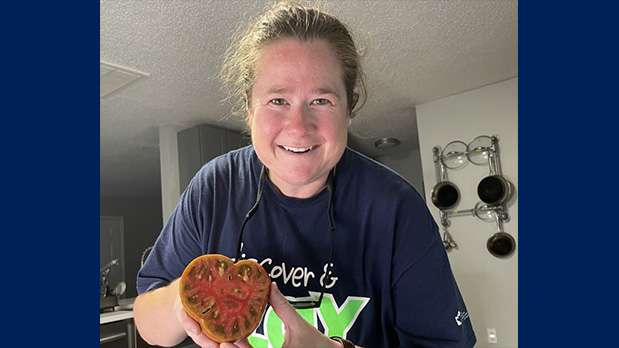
point(117, 329)
point(202, 143)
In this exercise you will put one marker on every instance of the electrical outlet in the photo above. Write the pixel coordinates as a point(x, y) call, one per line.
point(492, 335)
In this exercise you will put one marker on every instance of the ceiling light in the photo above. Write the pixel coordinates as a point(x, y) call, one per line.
point(386, 143)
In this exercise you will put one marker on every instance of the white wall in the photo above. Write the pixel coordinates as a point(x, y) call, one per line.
point(489, 285)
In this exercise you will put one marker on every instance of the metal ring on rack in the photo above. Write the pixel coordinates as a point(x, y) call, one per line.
point(478, 150)
point(453, 155)
point(484, 212)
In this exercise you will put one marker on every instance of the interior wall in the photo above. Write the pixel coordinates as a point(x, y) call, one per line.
point(488, 284)
point(142, 224)
point(168, 159)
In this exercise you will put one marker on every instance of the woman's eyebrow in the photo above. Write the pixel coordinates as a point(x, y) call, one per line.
point(277, 90)
point(320, 90)
point(326, 90)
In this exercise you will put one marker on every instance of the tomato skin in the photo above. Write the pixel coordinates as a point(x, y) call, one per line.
point(227, 299)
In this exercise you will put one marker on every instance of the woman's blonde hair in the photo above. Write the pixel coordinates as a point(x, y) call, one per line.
point(290, 19)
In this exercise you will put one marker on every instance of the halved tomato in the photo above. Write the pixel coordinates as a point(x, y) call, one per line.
point(226, 298)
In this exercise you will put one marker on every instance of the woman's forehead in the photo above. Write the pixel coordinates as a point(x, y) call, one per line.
point(286, 63)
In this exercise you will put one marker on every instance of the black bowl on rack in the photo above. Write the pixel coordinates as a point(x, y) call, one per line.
point(445, 195)
point(494, 190)
point(501, 244)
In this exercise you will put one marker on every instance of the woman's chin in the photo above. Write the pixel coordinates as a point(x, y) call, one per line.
point(299, 181)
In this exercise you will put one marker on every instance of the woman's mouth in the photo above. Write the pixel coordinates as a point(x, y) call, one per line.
point(298, 150)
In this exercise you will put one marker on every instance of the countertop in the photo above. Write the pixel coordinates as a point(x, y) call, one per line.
point(123, 311)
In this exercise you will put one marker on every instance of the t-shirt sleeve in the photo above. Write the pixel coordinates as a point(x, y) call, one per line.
point(181, 239)
point(428, 306)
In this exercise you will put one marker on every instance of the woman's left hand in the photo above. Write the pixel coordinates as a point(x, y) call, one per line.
point(299, 333)
point(193, 330)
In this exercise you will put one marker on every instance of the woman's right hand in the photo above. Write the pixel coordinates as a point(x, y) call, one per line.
point(299, 333)
point(193, 330)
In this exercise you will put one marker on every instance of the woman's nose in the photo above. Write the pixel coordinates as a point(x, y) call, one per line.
point(299, 120)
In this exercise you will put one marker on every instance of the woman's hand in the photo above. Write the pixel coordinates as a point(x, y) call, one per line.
point(193, 330)
point(299, 333)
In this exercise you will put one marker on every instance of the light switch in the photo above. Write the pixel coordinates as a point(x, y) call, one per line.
point(492, 335)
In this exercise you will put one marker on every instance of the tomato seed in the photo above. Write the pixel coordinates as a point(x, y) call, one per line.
point(235, 327)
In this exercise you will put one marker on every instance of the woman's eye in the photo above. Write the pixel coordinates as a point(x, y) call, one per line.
point(278, 101)
point(321, 101)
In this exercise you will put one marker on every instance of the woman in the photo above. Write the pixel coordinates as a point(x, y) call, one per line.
point(325, 220)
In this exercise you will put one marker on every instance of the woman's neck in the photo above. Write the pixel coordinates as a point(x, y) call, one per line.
point(306, 190)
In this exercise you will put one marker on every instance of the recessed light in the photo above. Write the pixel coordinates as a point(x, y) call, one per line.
point(386, 143)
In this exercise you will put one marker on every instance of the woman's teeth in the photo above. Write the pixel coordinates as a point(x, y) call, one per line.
point(297, 149)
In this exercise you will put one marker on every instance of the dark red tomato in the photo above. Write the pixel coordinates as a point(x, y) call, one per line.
point(226, 298)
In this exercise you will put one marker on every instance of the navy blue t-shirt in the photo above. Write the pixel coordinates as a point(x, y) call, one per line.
point(391, 283)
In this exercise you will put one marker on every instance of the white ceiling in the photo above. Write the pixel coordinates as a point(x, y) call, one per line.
point(413, 52)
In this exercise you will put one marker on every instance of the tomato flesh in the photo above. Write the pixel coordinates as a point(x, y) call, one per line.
point(226, 298)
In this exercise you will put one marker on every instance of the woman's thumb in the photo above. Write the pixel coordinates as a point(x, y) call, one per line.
point(283, 308)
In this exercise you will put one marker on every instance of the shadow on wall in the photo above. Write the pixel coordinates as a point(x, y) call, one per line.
point(407, 164)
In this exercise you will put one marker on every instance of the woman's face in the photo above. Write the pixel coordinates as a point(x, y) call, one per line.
point(298, 114)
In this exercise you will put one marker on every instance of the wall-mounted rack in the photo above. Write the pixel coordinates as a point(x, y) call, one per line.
point(494, 190)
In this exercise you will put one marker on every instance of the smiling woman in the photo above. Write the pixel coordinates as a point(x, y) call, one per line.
point(349, 242)
point(296, 117)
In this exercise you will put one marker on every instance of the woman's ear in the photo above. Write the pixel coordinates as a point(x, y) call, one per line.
point(355, 99)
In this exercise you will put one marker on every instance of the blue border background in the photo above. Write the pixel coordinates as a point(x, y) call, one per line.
point(567, 152)
point(50, 176)
point(50, 173)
